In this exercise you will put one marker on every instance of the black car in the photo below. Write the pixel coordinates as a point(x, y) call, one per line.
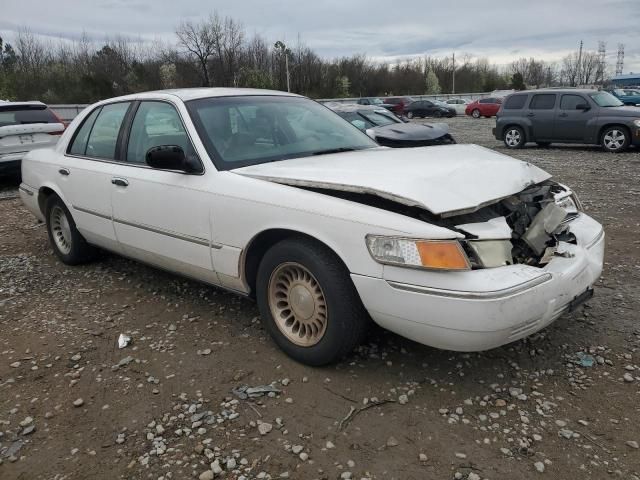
point(376, 102)
point(390, 131)
point(428, 108)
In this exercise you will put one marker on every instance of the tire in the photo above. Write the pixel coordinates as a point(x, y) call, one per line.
point(615, 139)
point(514, 137)
point(543, 144)
point(67, 242)
point(336, 321)
point(409, 114)
point(475, 113)
point(437, 114)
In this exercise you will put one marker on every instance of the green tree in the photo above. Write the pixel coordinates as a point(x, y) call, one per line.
point(517, 82)
point(432, 85)
point(8, 60)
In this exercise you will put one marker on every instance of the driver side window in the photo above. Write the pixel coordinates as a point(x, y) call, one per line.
point(156, 123)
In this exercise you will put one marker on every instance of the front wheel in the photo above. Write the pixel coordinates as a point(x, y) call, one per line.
point(67, 242)
point(514, 137)
point(409, 114)
point(615, 139)
point(308, 303)
point(475, 113)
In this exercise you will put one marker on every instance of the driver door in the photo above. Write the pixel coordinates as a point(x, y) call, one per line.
point(162, 217)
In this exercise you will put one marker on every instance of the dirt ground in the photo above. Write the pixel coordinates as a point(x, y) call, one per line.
point(75, 406)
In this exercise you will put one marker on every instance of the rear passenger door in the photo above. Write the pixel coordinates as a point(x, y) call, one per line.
point(84, 173)
point(162, 216)
point(541, 114)
point(571, 121)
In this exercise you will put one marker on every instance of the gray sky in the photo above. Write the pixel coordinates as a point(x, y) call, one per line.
point(384, 29)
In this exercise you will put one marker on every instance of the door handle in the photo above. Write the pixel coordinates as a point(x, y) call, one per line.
point(531, 114)
point(64, 171)
point(121, 182)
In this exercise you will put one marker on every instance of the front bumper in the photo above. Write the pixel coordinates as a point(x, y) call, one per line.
point(488, 307)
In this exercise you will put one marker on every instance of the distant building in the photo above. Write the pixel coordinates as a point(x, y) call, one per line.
point(629, 80)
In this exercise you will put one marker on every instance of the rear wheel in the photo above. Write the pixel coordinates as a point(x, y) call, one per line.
point(308, 303)
point(514, 137)
point(615, 139)
point(475, 113)
point(67, 242)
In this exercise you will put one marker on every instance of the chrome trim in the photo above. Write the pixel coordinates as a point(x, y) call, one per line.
point(92, 212)
point(488, 295)
point(28, 192)
point(179, 236)
point(595, 240)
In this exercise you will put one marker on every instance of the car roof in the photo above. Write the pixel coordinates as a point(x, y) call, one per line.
point(354, 107)
point(186, 94)
point(558, 90)
point(22, 104)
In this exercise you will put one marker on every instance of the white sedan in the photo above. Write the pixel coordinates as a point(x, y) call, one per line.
point(460, 104)
point(276, 197)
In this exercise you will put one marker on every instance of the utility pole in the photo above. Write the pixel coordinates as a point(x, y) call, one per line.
point(579, 65)
point(283, 48)
point(620, 61)
point(453, 87)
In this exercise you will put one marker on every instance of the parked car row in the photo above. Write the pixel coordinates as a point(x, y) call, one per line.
point(273, 196)
point(389, 130)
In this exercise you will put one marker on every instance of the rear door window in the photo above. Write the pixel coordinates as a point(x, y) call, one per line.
point(543, 101)
point(104, 134)
point(515, 102)
point(79, 144)
point(570, 102)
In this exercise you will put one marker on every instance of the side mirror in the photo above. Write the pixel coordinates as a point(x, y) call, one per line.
point(371, 133)
point(583, 106)
point(171, 157)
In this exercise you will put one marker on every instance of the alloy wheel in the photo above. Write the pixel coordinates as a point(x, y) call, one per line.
point(297, 304)
point(614, 139)
point(513, 138)
point(475, 113)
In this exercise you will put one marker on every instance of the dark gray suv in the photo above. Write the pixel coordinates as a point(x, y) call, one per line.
point(567, 116)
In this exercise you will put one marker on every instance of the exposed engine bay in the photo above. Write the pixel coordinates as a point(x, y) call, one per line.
point(525, 228)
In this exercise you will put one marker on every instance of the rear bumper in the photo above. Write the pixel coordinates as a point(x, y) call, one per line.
point(470, 319)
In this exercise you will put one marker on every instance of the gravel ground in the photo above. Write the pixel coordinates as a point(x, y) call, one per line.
point(563, 404)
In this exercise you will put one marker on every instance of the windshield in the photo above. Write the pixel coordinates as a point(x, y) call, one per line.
point(605, 99)
point(375, 101)
point(380, 118)
point(248, 130)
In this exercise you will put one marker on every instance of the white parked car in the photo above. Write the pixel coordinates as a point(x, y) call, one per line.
point(274, 196)
point(460, 104)
point(25, 126)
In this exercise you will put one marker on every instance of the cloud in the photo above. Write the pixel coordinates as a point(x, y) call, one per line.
point(499, 30)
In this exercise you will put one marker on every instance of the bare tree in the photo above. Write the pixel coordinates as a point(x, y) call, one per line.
point(199, 39)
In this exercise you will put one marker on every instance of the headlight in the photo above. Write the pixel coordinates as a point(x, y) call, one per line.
point(428, 254)
point(636, 123)
point(568, 203)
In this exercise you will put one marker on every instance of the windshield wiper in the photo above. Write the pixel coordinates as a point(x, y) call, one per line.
point(334, 150)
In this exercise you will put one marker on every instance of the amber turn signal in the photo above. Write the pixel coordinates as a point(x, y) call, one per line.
point(443, 255)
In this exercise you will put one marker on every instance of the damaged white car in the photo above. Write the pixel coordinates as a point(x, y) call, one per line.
point(276, 197)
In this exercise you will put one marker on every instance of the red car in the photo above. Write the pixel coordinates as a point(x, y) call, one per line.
point(400, 104)
point(485, 107)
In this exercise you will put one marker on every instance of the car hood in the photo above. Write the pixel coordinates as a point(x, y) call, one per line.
point(446, 180)
point(626, 111)
point(412, 131)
